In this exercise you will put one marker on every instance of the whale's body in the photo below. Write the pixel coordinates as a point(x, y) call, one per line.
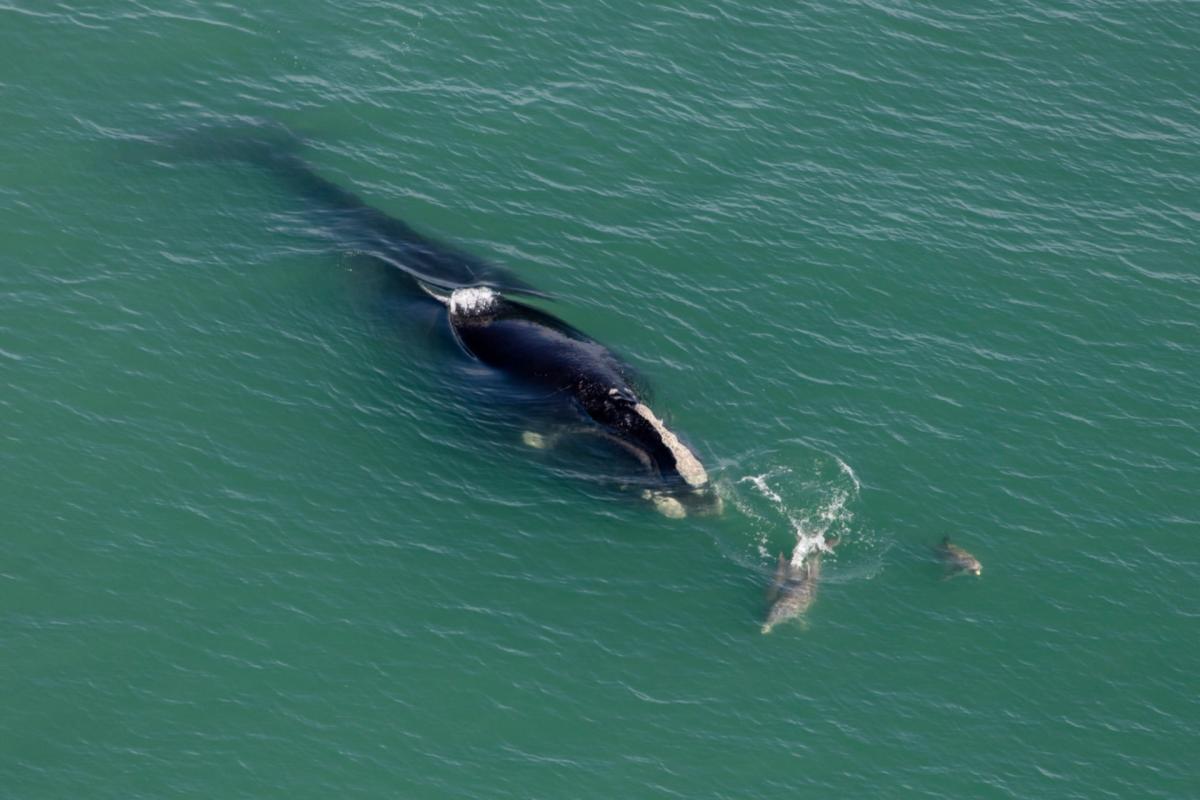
point(532, 346)
point(545, 352)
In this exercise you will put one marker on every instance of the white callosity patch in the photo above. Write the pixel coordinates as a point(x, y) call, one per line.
point(535, 440)
point(689, 467)
point(473, 300)
point(665, 504)
point(669, 507)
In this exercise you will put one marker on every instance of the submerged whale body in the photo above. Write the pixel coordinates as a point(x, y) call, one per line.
point(512, 337)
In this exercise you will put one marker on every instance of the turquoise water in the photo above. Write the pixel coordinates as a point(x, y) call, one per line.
point(911, 271)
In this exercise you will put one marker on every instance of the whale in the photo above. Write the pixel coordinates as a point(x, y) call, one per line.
point(483, 306)
point(546, 352)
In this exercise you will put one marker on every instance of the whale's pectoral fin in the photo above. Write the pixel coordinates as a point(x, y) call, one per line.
point(667, 506)
point(596, 432)
point(538, 441)
point(640, 455)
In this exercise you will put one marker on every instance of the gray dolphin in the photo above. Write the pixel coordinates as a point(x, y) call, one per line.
point(794, 588)
point(957, 560)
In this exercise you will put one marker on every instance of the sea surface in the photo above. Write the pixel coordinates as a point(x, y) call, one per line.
point(896, 270)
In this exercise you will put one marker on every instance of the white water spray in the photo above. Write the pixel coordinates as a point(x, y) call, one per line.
point(813, 504)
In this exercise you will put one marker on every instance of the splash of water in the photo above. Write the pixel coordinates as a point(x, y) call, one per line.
point(813, 505)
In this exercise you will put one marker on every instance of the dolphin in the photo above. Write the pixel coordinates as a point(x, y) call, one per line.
point(956, 560)
point(794, 588)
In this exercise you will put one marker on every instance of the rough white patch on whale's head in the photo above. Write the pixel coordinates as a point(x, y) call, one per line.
point(473, 301)
point(688, 466)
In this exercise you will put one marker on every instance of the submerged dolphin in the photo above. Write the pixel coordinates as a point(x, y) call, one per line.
point(956, 560)
point(794, 588)
point(532, 346)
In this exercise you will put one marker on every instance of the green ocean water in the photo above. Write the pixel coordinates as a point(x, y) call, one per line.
point(895, 270)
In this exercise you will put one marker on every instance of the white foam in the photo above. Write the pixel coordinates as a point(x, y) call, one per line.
point(848, 472)
point(473, 300)
point(760, 483)
point(809, 525)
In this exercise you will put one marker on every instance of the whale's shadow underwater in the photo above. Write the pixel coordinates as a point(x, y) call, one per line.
point(591, 394)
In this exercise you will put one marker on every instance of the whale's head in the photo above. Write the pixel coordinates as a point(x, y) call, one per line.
point(688, 490)
point(686, 465)
point(473, 301)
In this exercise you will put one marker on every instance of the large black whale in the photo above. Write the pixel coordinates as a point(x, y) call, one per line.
point(523, 342)
point(546, 352)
